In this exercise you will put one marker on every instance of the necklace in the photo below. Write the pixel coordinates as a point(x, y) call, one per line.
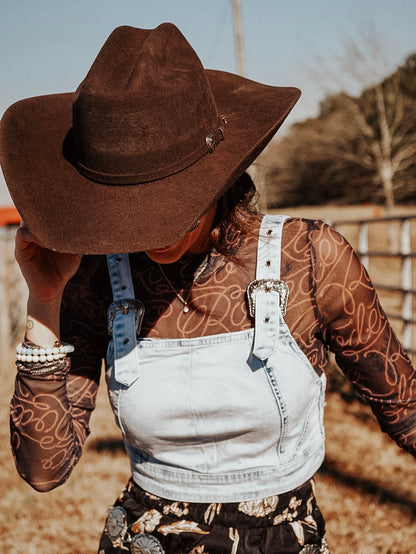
point(198, 273)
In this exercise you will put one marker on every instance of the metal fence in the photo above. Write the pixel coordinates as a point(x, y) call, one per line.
point(387, 248)
point(386, 245)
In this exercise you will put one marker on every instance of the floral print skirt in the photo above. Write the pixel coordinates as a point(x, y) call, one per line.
point(142, 523)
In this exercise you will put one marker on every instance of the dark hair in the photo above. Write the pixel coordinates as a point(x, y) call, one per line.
point(236, 215)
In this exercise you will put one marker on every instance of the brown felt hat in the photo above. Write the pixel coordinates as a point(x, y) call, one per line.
point(139, 152)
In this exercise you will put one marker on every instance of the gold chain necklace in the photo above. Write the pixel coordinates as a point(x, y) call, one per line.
point(199, 272)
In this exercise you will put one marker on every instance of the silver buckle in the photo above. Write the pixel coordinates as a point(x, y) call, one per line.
point(125, 305)
point(267, 285)
point(213, 139)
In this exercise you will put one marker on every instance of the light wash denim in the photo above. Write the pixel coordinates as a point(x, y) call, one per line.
point(221, 418)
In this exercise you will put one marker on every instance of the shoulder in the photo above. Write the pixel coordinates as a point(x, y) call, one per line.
point(313, 245)
point(318, 234)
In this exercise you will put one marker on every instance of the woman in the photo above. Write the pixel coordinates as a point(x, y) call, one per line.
point(214, 320)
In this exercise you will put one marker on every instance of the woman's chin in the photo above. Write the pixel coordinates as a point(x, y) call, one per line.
point(165, 255)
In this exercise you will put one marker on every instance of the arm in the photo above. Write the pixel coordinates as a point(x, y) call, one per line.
point(50, 415)
point(357, 330)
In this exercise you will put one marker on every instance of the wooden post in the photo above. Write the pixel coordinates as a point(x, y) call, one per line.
point(363, 243)
point(405, 249)
point(238, 37)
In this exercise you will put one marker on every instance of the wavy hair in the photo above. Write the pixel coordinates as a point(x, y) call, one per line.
point(236, 216)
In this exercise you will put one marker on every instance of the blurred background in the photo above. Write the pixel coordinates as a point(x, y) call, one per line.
point(346, 154)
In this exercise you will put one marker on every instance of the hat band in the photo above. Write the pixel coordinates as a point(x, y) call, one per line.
point(208, 147)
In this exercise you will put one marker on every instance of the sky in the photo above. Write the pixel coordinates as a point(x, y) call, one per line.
point(47, 46)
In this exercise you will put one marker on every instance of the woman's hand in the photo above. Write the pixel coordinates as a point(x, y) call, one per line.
point(46, 272)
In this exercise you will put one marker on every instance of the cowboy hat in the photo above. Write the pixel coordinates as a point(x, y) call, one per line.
point(139, 152)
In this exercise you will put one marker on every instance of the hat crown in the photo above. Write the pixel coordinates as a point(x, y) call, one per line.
point(145, 113)
point(144, 109)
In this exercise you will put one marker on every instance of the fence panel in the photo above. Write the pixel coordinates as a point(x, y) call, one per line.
point(387, 248)
point(386, 245)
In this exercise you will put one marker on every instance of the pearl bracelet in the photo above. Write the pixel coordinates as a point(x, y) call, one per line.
point(26, 352)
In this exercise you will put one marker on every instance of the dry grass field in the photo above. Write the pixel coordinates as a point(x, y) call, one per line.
point(366, 488)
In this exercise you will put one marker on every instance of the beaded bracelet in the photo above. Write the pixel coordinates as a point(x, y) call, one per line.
point(42, 369)
point(29, 352)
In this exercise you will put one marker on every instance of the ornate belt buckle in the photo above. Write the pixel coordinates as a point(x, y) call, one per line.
point(125, 305)
point(267, 285)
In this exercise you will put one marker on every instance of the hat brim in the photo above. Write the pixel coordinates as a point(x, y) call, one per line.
point(70, 213)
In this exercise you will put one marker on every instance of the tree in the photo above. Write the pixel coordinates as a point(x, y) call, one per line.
point(359, 147)
point(386, 117)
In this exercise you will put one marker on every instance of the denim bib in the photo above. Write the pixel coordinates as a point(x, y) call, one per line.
point(221, 418)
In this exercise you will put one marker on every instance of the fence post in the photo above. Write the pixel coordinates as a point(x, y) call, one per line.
point(405, 250)
point(363, 243)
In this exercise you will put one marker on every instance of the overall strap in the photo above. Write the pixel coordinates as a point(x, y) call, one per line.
point(125, 315)
point(268, 295)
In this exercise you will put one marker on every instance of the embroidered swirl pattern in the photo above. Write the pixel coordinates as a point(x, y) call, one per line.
point(332, 304)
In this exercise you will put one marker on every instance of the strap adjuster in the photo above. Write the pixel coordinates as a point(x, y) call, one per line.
point(125, 305)
point(267, 285)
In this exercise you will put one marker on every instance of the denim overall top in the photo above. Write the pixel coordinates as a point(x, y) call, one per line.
point(221, 418)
